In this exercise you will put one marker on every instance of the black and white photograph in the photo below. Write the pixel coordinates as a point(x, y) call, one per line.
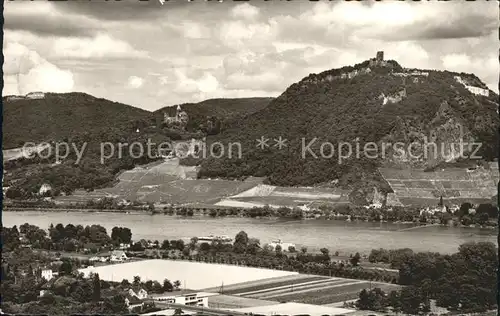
point(259, 157)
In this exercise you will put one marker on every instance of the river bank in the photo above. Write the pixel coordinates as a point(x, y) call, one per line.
point(341, 236)
point(199, 213)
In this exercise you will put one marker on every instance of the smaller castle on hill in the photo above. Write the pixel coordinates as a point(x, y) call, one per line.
point(378, 60)
point(180, 117)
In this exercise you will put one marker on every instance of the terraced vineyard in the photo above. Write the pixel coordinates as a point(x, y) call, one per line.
point(454, 185)
point(165, 182)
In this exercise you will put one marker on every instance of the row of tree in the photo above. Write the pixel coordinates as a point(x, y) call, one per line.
point(464, 281)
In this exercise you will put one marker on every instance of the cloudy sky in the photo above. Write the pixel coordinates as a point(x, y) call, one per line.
point(148, 55)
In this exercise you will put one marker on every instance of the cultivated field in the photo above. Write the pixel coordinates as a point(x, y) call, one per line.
point(455, 185)
point(193, 275)
point(309, 289)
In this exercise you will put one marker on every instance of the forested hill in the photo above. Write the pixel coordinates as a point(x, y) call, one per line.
point(372, 103)
point(60, 116)
point(223, 110)
point(83, 120)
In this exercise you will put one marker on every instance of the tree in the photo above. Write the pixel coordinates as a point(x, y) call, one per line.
point(204, 247)
point(303, 250)
point(241, 242)
point(483, 218)
point(253, 246)
point(177, 285)
point(395, 301)
point(278, 250)
point(355, 260)
point(464, 209)
point(192, 244)
point(165, 245)
point(66, 267)
point(178, 311)
point(489, 209)
point(137, 280)
point(148, 285)
point(413, 301)
point(466, 220)
point(137, 247)
point(167, 286)
point(374, 300)
point(179, 244)
point(96, 292)
point(325, 251)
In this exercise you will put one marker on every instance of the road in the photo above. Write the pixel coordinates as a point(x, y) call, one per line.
point(205, 310)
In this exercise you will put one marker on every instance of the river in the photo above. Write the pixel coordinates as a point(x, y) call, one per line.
point(345, 237)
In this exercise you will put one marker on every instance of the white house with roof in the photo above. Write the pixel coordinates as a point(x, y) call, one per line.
point(44, 188)
point(118, 256)
point(47, 274)
point(132, 302)
point(140, 293)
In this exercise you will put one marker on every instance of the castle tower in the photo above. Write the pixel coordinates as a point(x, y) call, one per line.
point(178, 113)
point(380, 55)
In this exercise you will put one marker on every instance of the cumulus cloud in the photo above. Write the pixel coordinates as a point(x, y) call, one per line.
point(197, 51)
point(26, 71)
point(185, 84)
point(43, 19)
point(135, 82)
point(245, 11)
point(101, 46)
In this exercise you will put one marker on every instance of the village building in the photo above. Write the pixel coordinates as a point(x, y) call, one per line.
point(47, 274)
point(192, 299)
point(132, 302)
point(139, 293)
point(284, 246)
point(44, 189)
point(118, 256)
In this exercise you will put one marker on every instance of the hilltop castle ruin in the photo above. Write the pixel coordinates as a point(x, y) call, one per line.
point(180, 117)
